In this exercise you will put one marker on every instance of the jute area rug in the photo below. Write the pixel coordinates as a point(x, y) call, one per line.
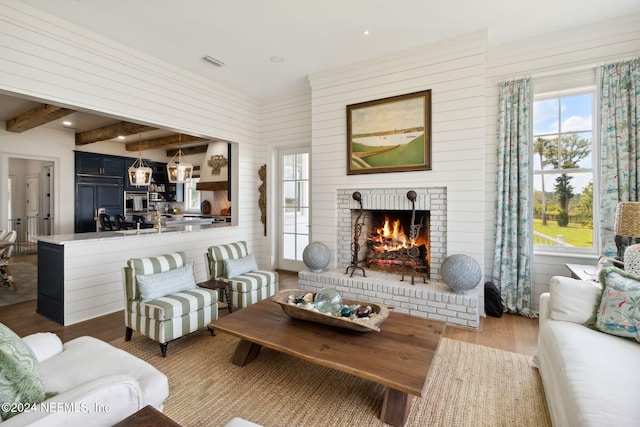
point(25, 276)
point(468, 385)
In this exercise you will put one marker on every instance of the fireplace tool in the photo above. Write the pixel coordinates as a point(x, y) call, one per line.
point(355, 245)
point(413, 252)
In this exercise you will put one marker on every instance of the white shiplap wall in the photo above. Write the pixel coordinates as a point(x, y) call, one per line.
point(49, 59)
point(285, 123)
point(552, 54)
point(454, 71)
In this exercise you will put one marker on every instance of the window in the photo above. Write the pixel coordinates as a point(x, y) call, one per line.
point(563, 171)
point(294, 208)
point(191, 195)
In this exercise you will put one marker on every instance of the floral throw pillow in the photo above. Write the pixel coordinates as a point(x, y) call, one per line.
point(20, 379)
point(619, 312)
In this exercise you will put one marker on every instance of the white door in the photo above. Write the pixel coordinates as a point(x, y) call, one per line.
point(293, 204)
point(33, 206)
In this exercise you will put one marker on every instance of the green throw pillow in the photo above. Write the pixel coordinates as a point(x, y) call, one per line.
point(20, 377)
point(619, 308)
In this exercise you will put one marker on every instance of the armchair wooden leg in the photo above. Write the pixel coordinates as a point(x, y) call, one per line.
point(127, 334)
point(9, 277)
point(211, 331)
point(163, 348)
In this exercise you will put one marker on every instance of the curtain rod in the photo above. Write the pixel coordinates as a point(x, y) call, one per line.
point(569, 70)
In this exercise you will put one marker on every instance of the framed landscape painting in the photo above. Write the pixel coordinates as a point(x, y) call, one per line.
point(390, 135)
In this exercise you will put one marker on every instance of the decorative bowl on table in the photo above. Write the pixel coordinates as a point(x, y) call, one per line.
point(371, 322)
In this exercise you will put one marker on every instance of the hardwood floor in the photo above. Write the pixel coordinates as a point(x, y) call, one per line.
point(509, 332)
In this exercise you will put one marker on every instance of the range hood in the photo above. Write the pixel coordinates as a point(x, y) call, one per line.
point(214, 171)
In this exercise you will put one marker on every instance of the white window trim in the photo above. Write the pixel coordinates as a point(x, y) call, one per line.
point(595, 137)
point(186, 197)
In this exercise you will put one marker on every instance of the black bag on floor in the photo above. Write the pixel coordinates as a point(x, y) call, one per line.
point(492, 300)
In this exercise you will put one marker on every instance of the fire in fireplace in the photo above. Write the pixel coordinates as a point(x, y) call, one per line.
point(390, 244)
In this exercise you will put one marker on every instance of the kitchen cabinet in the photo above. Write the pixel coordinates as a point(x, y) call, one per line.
point(99, 164)
point(93, 194)
point(51, 281)
point(99, 184)
point(175, 192)
point(161, 190)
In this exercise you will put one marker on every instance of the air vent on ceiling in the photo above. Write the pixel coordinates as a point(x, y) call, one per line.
point(213, 60)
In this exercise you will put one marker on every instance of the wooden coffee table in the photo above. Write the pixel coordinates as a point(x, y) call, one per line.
point(399, 356)
point(147, 416)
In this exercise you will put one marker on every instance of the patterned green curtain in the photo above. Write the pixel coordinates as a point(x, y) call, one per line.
point(619, 143)
point(512, 256)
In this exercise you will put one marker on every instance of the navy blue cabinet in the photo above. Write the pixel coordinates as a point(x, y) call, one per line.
point(51, 281)
point(101, 181)
point(175, 192)
point(99, 165)
point(99, 184)
point(161, 189)
point(94, 194)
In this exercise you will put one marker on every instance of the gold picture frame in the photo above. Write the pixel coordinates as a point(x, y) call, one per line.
point(390, 134)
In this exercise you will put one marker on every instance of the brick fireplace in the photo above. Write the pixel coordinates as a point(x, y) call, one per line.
point(433, 300)
point(429, 199)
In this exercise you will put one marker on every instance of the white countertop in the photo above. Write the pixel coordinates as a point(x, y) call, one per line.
point(172, 226)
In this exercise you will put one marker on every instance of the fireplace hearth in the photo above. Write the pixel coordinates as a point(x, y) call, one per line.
point(434, 299)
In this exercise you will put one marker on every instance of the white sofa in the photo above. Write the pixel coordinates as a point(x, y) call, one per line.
point(590, 378)
point(96, 383)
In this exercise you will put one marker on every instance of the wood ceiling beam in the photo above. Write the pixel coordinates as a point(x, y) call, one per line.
point(213, 186)
point(111, 131)
point(164, 142)
point(189, 150)
point(35, 117)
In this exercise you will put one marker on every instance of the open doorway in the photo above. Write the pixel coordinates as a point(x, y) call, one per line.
point(31, 202)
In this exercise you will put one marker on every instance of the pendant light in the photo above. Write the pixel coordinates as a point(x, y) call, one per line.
point(179, 172)
point(139, 172)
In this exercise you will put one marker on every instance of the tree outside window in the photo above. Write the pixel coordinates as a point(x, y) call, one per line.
point(563, 171)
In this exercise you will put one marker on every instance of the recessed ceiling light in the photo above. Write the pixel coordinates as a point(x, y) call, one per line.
point(277, 59)
point(121, 137)
point(67, 123)
point(365, 32)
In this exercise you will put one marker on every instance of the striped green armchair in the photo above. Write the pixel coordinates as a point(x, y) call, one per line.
point(232, 263)
point(162, 300)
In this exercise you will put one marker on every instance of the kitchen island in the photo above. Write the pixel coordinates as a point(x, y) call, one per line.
point(80, 275)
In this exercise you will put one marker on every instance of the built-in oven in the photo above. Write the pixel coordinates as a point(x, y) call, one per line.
point(135, 203)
